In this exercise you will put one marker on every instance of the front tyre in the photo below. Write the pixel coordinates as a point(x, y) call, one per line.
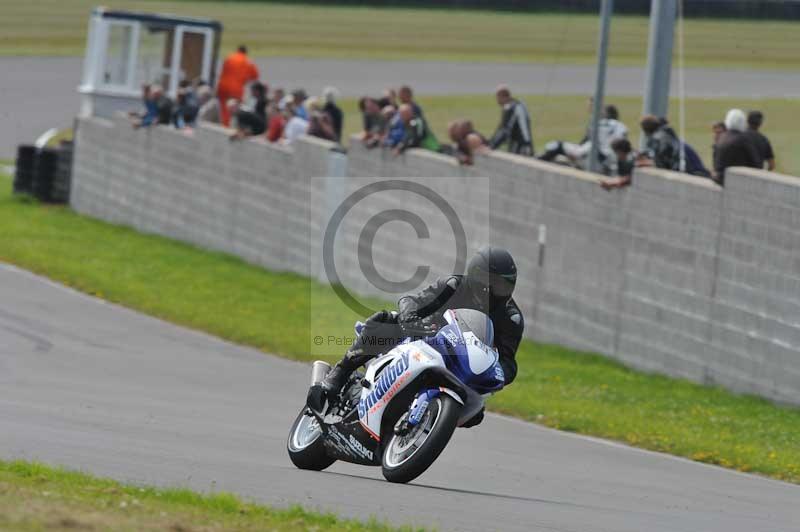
point(305, 445)
point(407, 457)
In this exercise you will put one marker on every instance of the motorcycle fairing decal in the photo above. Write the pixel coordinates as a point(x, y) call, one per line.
point(342, 440)
point(386, 386)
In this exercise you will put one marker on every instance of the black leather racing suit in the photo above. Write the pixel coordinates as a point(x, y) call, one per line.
point(452, 292)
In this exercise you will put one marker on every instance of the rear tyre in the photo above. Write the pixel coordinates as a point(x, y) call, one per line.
point(407, 457)
point(305, 445)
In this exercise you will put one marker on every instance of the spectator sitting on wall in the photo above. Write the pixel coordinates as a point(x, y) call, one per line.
point(295, 124)
point(252, 119)
point(417, 133)
point(299, 98)
point(609, 129)
point(187, 106)
point(665, 150)
point(334, 112)
point(374, 122)
point(466, 141)
point(395, 129)
point(734, 148)
point(754, 121)
point(157, 105)
point(406, 96)
point(515, 124)
point(237, 71)
point(626, 160)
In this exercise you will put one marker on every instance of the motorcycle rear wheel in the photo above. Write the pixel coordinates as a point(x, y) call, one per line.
point(407, 457)
point(305, 446)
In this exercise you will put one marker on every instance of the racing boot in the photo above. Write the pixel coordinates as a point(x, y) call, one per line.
point(336, 378)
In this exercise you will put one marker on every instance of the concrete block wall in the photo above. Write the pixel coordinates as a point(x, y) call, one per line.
point(674, 274)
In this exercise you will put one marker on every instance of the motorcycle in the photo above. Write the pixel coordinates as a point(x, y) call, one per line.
point(401, 412)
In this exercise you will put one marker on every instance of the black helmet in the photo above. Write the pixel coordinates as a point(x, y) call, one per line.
point(492, 273)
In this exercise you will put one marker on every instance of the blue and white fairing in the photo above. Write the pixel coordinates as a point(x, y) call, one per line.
point(454, 348)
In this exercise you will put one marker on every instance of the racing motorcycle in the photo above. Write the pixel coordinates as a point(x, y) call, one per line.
point(401, 412)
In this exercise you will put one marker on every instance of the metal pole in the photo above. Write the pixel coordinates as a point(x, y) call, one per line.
point(606, 9)
point(659, 56)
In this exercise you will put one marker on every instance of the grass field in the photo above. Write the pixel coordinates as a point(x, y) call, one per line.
point(58, 27)
point(555, 386)
point(34, 497)
point(565, 118)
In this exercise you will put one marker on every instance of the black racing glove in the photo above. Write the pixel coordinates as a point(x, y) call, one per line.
point(415, 327)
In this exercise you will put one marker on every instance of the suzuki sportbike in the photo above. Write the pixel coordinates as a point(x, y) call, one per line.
point(402, 410)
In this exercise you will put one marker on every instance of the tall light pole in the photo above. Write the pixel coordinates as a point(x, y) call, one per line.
point(606, 8)
point(659, 56)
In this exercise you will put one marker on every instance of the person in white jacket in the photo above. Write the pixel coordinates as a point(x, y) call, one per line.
point(609, 129)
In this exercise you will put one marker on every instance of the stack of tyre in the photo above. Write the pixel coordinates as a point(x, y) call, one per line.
point(44, 173)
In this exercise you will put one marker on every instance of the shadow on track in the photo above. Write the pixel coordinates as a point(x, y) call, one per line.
point(458, 490)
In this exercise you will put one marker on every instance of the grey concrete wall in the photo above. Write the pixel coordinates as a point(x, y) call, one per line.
point(672, 275)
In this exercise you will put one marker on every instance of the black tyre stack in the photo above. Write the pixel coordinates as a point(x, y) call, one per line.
point(63, 176)
point(45, 173)
point(23, 176)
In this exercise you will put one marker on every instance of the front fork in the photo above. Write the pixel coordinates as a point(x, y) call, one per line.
point(416, 411)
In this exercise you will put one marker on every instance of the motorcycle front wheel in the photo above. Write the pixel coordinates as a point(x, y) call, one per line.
point(408, 456)
point(305, 446)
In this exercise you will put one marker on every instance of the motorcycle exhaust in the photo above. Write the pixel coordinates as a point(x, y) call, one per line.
point(319, 369)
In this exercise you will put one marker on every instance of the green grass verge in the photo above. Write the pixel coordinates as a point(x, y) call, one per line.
point(57, 27)
point(35, 497)
point(565, 118)
point(276, 311)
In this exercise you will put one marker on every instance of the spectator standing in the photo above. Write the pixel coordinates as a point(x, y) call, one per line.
point(295, 125)
point(515, 124)
point(626, 161)
point(299, 98)
point(276, 120)
point(253, 119)
point(329, 95)
point(395, 128)
point(209, 106)
point(187, 106)
point(417, 133)
point(158, 107)
point(664, 149)
point(389, 98)
point(237, 71)
point(466, 141)
point(734, 148)
point(374, 121)
point(406, 96)
point(754, 121)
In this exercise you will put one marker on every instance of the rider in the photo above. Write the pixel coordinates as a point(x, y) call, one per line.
point(487, 287)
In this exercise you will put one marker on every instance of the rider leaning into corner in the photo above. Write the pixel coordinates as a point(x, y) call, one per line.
point(487, 287)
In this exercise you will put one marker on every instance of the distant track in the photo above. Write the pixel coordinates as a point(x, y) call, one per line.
point(37, 93)
point(98, 387)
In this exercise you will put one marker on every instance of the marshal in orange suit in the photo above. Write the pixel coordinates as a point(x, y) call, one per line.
point(237, 71)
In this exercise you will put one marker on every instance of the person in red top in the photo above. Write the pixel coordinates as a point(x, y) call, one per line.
point(237, 71)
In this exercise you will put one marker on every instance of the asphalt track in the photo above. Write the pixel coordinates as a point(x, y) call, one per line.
point(37, 93)
point(94, 386)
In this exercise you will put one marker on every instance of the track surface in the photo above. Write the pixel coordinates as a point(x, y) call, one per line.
point(39, 92)
point(94, 386)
